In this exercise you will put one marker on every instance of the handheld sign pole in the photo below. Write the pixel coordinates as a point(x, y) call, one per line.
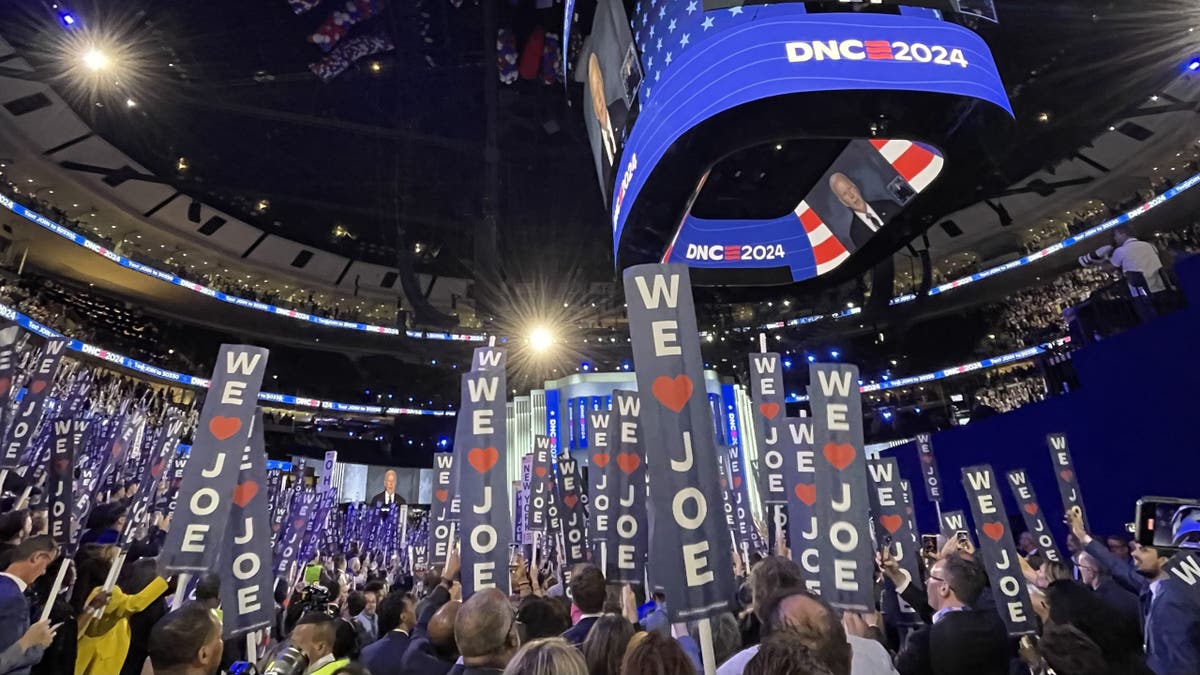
point(1035, 522)
point(929, 472)
point(1064, 473)
point(54, 590)
point(181, 583)
point(766, 389)
point(997, 550)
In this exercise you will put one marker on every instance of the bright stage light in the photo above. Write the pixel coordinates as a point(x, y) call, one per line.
point(95, 60)
point(541, 339)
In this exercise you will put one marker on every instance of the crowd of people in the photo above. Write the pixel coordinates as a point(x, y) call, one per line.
point(1111, 610)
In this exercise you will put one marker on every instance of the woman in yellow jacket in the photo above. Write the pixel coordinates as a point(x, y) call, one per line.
point(104, 644)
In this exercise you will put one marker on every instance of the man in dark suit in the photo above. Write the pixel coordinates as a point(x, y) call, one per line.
point(588, 593)
point(28, 561)
point(866, 218)
point(396, 620)
point(1096, 576)
point(1170, 622)
point(486, 632)
point(432, 650)
point(960, 639)
point(388, 497)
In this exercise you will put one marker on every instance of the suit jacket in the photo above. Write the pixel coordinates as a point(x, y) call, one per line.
point(420, 659)
point(968, 641)
point(1170, 621)
point(1120, 599)
point(368, 631)
point(578, 633)
point(860, 233)
point(14, 621)
point(384, 656)
point(378, 500)
point(460, 669)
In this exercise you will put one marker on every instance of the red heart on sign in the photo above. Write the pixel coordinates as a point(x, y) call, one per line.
point(628, 462)
point(224, 427)
point(244, 492)
point(570, 501)
point(723, 483)
point(806, 493)
point(840, 455)
point(737, 481)
point(927, 459)
point(672, 392)
point(5, 383)
point(600, 459)
point(1031, 509)
point(1067, 474)
point(769, 410)
point(61, 466)
point(891, 522)
point(156, 470)
point(441, 495)
point(117, 447)
point(540, 471)
point(298, 523)
point(37, 386)
point(993, 530)
point(483, 459)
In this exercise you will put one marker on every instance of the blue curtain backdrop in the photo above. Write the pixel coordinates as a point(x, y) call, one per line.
point(1132, 428)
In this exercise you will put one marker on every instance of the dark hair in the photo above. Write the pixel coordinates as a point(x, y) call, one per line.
point(391, 611)
point(542, 617)
point(823, 635)
point(345, 640)
point(12, 524)
point(356, 602)
point(374, 586)
point(771, 573)
point(136, 576)
point(726, 636)
point(784, 652)
point(1068, 650)
point(587, 588)
point(1071, 602)
point(656, 654)
point(208, 587)
point(175, 638)
point(91, 571)
point(41, 543)
point(965, 577)
point(605, 644)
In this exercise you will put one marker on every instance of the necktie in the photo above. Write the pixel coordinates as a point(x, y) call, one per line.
point(875, 221)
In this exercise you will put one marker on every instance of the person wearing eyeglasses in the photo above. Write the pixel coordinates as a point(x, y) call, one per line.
point(1096, 576)
point(960, 639)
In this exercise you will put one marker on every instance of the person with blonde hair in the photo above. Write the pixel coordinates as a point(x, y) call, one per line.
point(548, 656)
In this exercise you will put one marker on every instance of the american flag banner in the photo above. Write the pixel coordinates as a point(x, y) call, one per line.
point(349, 52)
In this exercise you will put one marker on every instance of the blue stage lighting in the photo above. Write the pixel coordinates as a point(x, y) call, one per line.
point(585, 366)
point(917, 410)
point(443, 442)
point(812, 359)
point(67, 18)
point(834, 353)
point(887, 415)
point(787, 363)
point(1194, 64)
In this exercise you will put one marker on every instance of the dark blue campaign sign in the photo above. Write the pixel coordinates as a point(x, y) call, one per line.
point(699, 64)
point(625, 562)
point(600, 481)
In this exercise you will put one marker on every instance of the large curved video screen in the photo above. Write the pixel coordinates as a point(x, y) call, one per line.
point(676, 78)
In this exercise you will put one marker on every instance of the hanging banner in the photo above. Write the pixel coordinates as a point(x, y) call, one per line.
point(687, 554)
point(929, 468)
point(626, 560)
point(1031, 511)
point(800, 476)
point(60, 478)
point(842, 506)
point(1064, 472)
point(952, 523)
point(193, 542)
point(892, 525)
point(541, 485)
point(29, 410)
point(575, 541)
point(600, 484)
point(483, 488)
point(997, 550)
point(247, 579)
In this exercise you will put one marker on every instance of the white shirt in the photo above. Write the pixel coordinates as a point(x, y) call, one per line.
point(1136, 255)
point(316, 665)
point(868, 657)
point(869, 218)
point(21, 585)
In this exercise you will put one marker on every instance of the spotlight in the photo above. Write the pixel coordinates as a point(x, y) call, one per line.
point(812, 359)
point(376, 66)
point(95, 60)
point(1194, 64)
point(541, 339)
point(787, 363)
point(835, 353)
point(67, 19)
point(130, 103)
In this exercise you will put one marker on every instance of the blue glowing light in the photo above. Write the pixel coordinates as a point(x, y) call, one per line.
point(812, 359)
point(834, 353)
point(917, 410)
point(787, 363)
point(1194, 64)
point(887, 414)
point(67, 19)
point(443, 442)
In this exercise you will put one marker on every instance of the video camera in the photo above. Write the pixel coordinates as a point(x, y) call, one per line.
point(1167, 523)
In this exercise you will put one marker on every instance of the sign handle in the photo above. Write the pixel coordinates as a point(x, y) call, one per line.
point(491, 340)
point(762, 342)
point(23, 500)
point(707, 654)
point(181, 583)
point(58, 582)
point(252, 646)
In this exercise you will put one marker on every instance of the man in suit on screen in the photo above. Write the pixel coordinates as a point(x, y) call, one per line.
point(867, 218)
point(388, 497)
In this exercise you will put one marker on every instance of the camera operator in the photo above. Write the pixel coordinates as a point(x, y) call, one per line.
point(315, 635)
point(1170, 622)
